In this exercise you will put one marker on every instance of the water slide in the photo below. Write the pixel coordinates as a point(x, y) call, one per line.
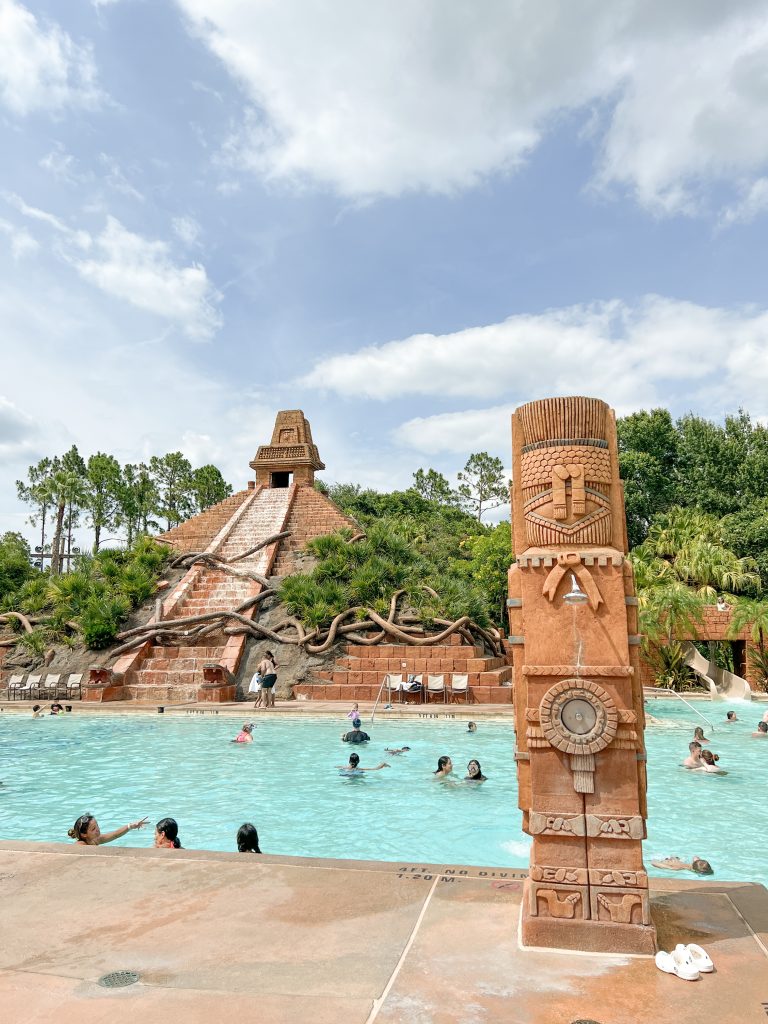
point(722, 684)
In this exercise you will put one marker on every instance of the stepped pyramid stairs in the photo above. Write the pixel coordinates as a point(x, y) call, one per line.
point(282, 498)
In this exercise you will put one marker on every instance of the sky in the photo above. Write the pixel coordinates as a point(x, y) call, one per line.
point(405, 217)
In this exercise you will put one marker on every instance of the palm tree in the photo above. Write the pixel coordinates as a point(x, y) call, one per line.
point(753, 613)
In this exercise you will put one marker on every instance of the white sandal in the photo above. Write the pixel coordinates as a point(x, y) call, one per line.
point(701, 959)
point(678, 963)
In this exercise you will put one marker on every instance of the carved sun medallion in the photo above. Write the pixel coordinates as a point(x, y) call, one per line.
point(578, 717)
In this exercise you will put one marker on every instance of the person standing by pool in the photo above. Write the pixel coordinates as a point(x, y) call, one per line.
point(474, 772)
point(167, 835)
point(248, 839)
point(444, 767)
point(245, 734)
point(356, 734)
point(268, 670)
point(86, 831)
point(254, 687)
point(694, 756)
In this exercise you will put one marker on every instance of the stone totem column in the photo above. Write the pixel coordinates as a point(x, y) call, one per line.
point(578, 698)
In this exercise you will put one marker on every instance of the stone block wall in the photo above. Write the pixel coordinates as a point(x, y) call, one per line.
point(197, 533)
point(312, 515)
point(357, 675)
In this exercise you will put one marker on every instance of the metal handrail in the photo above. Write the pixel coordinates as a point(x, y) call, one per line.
point(386, 680)
point(674, 693)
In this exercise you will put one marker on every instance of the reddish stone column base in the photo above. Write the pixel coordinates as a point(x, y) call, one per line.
point(210, 693)
point(587, 936)
point(103, 685)
point(219, 686)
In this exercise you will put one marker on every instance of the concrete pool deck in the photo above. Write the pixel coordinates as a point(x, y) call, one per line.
point(278, 940)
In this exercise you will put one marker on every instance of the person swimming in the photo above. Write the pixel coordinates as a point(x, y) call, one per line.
point(471, 727)
point(444, 767)
point(353, 768)
point(86, 831)
point(762, 731)
point(698, 865)
point(248, 839)
point(396, 750)
point(167, 835)
point(474, 772)
point(698, 735)
point(245, 735)
point(709, 763)
point(730, 716)
point(694, 755)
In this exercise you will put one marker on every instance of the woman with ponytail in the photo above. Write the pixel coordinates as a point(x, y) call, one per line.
point(167, 834)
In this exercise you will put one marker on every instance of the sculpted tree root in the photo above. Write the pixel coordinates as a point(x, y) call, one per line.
point(369, 629)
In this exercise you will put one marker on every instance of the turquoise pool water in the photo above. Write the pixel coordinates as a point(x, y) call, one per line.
point(124, 767)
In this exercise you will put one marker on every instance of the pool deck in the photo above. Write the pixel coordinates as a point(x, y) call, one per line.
point(219, 937)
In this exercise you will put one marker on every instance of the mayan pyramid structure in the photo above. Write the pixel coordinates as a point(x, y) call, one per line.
point(281, 498)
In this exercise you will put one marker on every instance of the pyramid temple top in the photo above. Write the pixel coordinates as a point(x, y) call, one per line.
point(290, 457)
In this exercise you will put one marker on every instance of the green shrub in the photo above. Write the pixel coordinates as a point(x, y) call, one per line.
point(100, 620)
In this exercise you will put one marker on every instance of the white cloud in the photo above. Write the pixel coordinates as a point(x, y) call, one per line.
point(132, 268)
point(116, 179)
point(467, 431)
point(22, 242)
point(141, 272)
point(187, 229)
point(41, 67)
point(753, 202)
point(385, 97)
point(18, 431)
point(658, 351)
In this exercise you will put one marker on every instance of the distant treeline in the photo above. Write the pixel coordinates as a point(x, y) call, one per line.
point(131, 499)
point(697, 464)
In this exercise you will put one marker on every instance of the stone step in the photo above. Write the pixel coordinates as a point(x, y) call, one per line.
point(183, 652)
point(179, 664)
point(168, 694)
point(148, 677)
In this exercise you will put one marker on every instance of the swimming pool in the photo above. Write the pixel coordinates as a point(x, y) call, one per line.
point(121, 767)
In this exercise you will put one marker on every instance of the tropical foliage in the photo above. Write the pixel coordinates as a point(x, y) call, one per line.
point(89, 603)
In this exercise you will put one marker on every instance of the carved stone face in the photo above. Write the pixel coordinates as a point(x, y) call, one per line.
point(565, 492)
point(565, 467)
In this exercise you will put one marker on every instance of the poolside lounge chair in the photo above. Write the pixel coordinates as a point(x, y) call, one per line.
point(459, 686)
point(50, 688)
point(74, 685)
point(30, 689)
point(15, 684)
point(412, 691)
point(435, 688)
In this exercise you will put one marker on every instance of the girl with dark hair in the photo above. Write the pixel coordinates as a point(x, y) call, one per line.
point(474, 772)
point(444, 767)
point(86, 831)
point(167, 834)
point(248, 839)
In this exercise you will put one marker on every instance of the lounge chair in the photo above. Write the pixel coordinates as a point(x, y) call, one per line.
point(459, 685)
point(412, 691)
point(50, 688)
point(435, 688)
point(74, 685)
point(15, 685)
point(31, 689)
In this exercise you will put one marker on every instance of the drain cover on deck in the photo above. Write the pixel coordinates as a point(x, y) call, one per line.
point(119, 979)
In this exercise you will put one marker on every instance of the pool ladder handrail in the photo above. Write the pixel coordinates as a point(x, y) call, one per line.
point(385, 681)
point(674, 693)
